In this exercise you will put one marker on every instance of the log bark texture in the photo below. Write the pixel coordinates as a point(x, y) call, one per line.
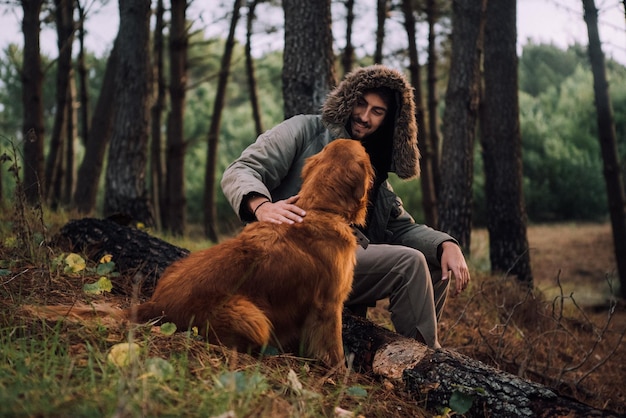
point(137, 255)
point(435, 377)
point(432, 377)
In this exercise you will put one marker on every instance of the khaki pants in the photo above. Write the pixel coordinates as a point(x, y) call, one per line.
point(416, 295)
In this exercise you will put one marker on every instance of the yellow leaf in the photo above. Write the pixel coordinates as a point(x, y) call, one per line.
point(106, 258)
point(74, 263)
point(123, 354)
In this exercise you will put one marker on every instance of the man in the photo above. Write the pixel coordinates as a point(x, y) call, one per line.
point(411, 264)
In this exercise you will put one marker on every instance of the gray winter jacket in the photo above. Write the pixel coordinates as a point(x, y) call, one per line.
point(271, 166)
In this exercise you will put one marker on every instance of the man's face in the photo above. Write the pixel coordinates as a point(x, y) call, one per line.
point(367, 116)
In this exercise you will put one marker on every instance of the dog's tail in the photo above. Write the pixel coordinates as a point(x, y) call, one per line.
point(242, 317)
point(76, 312)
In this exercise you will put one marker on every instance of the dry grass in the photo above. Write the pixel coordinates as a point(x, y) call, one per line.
point(568, 333)
point(565, 334)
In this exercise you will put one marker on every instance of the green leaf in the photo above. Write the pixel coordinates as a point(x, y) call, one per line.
point(104, 269)
point(102, 285)
point(357, 391)
point(74, 263)
point(461, 402)
point(159, 368)
point(168, 328)
point(58, 261)
point(5, 272)
point(239, 381)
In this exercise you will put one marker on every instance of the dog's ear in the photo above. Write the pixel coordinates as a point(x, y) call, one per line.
point(360, 192)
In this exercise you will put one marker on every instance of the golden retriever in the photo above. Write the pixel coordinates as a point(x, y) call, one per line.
point(281, 285)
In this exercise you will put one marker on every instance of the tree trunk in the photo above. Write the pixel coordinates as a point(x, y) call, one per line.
point(210, 208)
point(156, 169)
point(70, 143)
point(254, 98)
point(308, 71)
point(101, 128)
point(125, 188)
point(381, 14)
point(32, 103)
point(175, 155)
point(429, 200)
point(608, 142)
point(82, 77)
point(502, 145)
point(433, 101)
point(434, 377)
point(64, 10)
point(459, 121)
point(347, 58)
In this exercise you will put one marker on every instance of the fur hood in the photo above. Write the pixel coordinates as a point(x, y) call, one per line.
point(340, 102)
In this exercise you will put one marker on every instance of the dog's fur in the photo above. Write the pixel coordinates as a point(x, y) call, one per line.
point(281, 285)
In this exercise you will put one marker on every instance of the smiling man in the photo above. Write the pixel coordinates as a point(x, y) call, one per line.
point(409, 263)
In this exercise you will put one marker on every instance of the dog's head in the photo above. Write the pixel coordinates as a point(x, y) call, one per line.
point(338, 180)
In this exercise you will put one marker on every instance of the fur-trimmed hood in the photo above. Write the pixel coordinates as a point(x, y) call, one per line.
point(340, 102)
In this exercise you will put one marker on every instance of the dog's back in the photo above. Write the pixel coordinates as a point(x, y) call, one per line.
point(241, 291)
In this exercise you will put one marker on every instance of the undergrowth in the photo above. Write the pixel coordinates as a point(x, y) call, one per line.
point(109, 368)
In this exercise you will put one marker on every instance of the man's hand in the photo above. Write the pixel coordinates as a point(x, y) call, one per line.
point(282, 211)
point(453, 261)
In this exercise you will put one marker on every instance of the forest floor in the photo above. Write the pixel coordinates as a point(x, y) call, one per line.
point(567, 334)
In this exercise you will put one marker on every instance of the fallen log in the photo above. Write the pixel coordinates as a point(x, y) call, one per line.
point(437, 379)
point(444, 378)
point(135, 253)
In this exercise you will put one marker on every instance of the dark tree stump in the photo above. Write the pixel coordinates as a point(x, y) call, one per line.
point(431, 376)
point(136, 253)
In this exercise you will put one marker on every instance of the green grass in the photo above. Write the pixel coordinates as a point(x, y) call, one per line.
point(64, 368)
point(49, 370)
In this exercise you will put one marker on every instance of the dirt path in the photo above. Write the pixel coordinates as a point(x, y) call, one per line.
point(579, 256)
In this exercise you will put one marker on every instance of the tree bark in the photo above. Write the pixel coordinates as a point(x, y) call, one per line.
point(175, 155)
point(254, 98)
point(82, 76)
point(32, 103)
point(139, 257)
point(382, 9)
point(308, 70)
point(502, 145)
point(436, 377)
point(433, 377)
point(347, 57)
point(608, 142)
point(71, 135)
point(101, 127)
point(433, 101)
point(64, 10)
point(459, 120)
point(210, 207)
point(125, 187)
point(429, 199)
point(157, 168)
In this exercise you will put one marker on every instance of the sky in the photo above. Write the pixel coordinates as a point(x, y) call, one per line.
point(559, 22)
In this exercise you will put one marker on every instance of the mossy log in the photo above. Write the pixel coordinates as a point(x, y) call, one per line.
point(433, 377)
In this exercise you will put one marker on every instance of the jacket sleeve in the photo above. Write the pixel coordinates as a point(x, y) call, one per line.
point(403, 229)
point(263, 165)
